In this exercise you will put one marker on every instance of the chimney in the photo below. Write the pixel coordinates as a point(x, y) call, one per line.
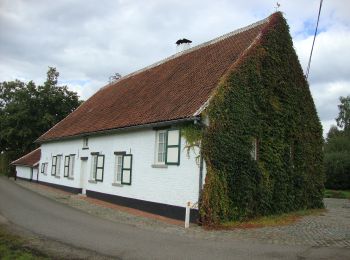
point(183, 44)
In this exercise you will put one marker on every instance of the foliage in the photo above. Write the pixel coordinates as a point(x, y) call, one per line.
point(338, 194)
point(337, 161)
point(13, 247)
point(193, 135)
point(343, 119)
point(265, 97)
point(27, 111)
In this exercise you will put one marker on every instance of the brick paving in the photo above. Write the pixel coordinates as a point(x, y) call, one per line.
point(330, 229)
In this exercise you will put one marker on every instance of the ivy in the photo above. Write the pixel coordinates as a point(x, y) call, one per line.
point(265, 97)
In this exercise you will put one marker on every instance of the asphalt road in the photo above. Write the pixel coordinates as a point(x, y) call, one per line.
point(59, 222)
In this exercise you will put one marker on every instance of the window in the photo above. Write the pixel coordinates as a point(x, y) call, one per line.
point(97, 166)
point(71, 166)
point(254, 150)
point(126, 169)
point(43, 168)
point(168, 147)
point(118, 167)
point(66, 166)
point(54, 165)
point(85, 143)
point(58, 166)
point(160, 147)
point(123, 168)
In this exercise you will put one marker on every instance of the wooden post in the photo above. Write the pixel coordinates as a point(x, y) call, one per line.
point(187, 216)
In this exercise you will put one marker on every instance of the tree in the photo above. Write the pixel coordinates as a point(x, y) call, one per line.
point(337, 149)
point(27, 111)
point(343, 119)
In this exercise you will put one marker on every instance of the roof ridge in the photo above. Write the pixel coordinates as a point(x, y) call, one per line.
point(194, 48)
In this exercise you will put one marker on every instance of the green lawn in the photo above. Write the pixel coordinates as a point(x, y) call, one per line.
point(273, 220)
point(339, 194)
point(14, 247)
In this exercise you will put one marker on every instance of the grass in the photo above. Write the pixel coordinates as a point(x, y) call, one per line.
point(273, 220)
point(14, 247)
point(339, 194)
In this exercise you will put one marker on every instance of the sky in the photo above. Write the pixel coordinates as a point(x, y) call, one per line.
point(90, 40)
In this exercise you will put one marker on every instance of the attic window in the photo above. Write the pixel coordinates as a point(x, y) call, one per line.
point(85, 143)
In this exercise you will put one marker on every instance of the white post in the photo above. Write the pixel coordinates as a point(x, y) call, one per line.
point(187, 216)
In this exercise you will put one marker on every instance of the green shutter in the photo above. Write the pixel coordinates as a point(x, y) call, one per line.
point(126, 169)
point(100, 162)
point(173, 140)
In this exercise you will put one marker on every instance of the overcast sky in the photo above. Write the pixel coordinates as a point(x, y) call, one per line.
point(88, 41)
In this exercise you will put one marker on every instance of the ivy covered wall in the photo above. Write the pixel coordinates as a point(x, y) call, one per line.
point(263, 97)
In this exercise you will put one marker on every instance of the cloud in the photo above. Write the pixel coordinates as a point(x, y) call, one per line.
point(88, 41)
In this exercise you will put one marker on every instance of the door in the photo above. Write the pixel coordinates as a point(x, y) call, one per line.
point(83, 175)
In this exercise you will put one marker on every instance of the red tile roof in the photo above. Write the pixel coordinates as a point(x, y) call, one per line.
point(30, 159)
point(172, 89)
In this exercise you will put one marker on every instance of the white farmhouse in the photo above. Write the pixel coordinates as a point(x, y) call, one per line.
point(124, 144)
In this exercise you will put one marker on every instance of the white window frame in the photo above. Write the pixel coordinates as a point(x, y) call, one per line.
point(85, 143)
point(160, 160)
point(58, 165)
point(118, 167)
point(71, 165)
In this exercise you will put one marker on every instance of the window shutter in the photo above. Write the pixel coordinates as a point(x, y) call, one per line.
point(99, 167)
point(173, 147)
point(126, 169)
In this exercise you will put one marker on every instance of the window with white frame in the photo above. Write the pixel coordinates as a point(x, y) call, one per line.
point(71, 166)
point(168, 147)
point(44, 168)
point(97, 167)
point(160, 147)
point(85, 143)
point(58, 166)
point(254, 150)
point(123, 168)
point(118, 167)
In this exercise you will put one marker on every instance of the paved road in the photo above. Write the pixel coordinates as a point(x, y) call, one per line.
point(56, 221)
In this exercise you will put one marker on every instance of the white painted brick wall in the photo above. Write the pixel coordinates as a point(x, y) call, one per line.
point(23, 172)
point(174, 185)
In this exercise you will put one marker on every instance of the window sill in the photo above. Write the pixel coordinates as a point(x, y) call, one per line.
point(159, 166)
point(70, 178)
point(85, 148)
point(117, 184)
point(57, 177)
point(92, 181)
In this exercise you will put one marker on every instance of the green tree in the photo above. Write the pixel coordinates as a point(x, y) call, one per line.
point(337, 149)
point(27, 111)
point(343, 119)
